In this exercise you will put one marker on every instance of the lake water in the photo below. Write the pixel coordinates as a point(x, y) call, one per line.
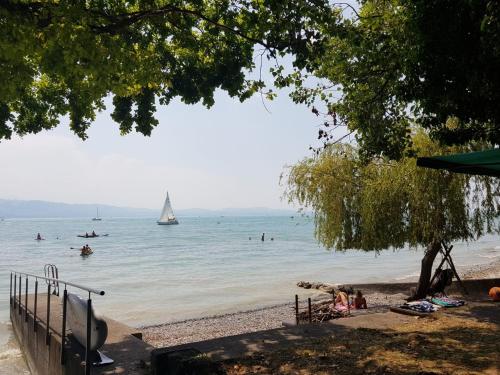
point(204, 266)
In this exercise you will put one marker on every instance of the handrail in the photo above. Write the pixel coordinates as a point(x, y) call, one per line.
point(90, 290)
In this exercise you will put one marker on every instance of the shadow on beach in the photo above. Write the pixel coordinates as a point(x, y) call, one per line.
point(463, 341)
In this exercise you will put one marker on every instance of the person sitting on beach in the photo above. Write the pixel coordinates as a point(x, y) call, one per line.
point(341, 301)
point(341, 298)
point(359, 301)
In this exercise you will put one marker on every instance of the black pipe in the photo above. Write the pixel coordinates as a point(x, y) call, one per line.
point(297, 309)
point(26, 302)
point(35, 305)
point(47, 337)
point(88, 361)
point(309, 309)
point(20, 282)
point(63, 331)
point(15, 287)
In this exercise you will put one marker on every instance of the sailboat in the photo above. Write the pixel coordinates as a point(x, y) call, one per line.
point(167, 215)
point(97, 218)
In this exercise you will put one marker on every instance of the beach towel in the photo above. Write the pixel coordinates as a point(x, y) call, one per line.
point(339, 307)
point(447, 302)
point(421, 306)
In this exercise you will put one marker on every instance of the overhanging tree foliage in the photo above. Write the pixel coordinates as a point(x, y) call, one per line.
point(395, 63)
point(387, 63)
point(64, 57)
point(386, 204)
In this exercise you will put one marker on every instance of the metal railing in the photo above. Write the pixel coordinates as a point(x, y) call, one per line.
point(15, 303)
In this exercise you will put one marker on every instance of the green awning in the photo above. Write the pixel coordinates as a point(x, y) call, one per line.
point(483, 162)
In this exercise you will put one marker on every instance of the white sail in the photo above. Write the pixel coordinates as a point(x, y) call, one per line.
point(167, 215)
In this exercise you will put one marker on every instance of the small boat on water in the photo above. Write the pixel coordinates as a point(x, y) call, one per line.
point(167, 215)
point(97, 218)
point(92, 236)
point(85, 251)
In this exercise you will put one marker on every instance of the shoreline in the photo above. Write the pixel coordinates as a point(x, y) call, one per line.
point(217, 316)
point(273, 316)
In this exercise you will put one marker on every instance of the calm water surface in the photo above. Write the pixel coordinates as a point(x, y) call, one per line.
point(204, 266)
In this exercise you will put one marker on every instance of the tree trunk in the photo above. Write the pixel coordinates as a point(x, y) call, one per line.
point(426, 271)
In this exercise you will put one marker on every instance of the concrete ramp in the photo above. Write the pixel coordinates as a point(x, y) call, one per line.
point(43, 349)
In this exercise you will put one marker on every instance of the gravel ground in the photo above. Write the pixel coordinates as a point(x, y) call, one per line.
point(483, 271)
point(171, 334)
point(217, 326)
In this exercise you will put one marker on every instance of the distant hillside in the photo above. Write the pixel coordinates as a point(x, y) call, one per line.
point(39, 209)
point(252, 211)
point(43, 209)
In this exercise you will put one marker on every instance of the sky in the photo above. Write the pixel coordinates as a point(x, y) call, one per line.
point(230, 155)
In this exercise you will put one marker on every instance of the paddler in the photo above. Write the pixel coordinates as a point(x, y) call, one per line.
point(86, 250)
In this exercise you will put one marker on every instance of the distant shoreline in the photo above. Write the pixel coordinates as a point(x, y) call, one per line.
point(272, 316)
point(39, 209)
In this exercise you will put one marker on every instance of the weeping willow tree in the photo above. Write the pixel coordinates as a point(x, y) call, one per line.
point(382, 204)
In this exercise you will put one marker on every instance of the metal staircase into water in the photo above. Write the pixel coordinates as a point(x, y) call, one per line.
point(51, 272)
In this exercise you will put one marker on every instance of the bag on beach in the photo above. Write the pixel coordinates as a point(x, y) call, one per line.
point(442, 280)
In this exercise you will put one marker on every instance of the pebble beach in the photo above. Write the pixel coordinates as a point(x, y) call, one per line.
point(193, 330)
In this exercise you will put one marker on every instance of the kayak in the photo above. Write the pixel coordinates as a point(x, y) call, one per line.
point(89, 236)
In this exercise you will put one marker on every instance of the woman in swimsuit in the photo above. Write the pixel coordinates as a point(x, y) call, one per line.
point(341, 301)
point(359, 301)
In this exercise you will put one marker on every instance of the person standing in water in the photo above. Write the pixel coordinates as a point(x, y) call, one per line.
point(262, 238)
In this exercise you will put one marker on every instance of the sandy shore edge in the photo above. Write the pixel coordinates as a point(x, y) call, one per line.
point(269, 317)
